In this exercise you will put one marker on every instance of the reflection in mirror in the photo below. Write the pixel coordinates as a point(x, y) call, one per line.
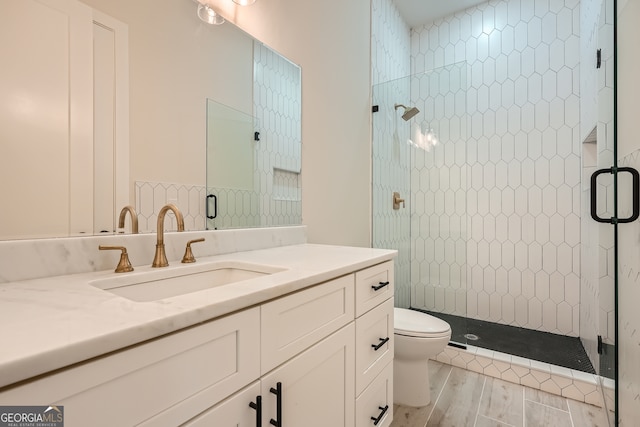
point(253, 164)
point(106, 108)
point(65, 62)
point(231, 165)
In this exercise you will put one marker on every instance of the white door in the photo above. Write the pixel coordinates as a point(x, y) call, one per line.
point(111, 121)
point(315, 388)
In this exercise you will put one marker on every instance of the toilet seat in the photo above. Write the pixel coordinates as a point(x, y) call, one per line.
point(420, 325)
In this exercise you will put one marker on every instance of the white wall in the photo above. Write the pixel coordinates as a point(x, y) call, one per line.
point(330, 40)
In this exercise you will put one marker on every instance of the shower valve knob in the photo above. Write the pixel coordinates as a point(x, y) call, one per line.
point(397, 200)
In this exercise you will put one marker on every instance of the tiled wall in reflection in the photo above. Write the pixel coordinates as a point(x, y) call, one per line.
point(152, 196)
point(277, 108)
point(232, 208)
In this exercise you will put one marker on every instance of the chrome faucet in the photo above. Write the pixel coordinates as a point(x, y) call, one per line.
point(160, 259)
point(134, 218)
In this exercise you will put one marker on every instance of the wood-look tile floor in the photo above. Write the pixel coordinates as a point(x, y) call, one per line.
point(461, 398)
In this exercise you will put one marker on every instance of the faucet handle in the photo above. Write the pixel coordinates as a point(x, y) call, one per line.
point(188, 255)
point(123, 265)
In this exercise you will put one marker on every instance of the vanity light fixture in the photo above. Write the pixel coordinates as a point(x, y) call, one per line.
point(208, 15)
point(244, 2)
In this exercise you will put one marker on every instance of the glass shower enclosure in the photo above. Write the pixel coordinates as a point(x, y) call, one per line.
point(424, 161)
point(494, 221)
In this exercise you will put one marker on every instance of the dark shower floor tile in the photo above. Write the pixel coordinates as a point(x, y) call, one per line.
point(607, 361)
point(546, 347)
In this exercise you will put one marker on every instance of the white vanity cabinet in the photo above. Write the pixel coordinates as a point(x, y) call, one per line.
point(304, 359)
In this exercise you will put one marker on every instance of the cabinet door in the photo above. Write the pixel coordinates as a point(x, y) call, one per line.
point(317, 386)
point(295, 322)
point(232, 412)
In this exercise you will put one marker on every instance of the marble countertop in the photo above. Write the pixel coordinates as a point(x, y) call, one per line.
point(53, 322)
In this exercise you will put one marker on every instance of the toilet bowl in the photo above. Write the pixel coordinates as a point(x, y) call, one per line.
point(418, 337)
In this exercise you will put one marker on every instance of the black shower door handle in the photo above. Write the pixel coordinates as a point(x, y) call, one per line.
point(215, 206)
point(636, 195)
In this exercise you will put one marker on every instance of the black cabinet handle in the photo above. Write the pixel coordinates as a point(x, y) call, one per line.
point(636, 195)
point(382, 342)
point(380, 286)
point(278, 392)
point(257, 405)
point(215, 206)
point(383, 411)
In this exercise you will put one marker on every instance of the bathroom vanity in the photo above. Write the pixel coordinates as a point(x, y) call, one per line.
point(308, 344)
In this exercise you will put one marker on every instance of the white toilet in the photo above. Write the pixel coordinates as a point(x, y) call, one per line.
point(418, 336)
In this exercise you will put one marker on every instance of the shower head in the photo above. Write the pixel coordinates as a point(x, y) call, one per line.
point(409, 112)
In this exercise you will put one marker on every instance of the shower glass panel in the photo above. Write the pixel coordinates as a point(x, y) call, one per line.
point(598, 261)
point(423, 159)
point(232, 184)
point(604, 359)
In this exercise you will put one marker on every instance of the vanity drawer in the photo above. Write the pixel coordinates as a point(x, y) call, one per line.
point(375, 398)
point(295, 322)
point(374, 328)
point(160, 382)
point(373, 285)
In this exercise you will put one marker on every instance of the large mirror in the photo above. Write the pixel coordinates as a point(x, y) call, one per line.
point(104, 103)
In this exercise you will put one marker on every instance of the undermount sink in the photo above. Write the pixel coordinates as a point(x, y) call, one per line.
point(160, 284)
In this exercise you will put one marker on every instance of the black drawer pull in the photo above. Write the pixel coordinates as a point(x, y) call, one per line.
point(383, 411)
point(380, 286)
point(278, 392)
point(382, 342)
point(257, 405)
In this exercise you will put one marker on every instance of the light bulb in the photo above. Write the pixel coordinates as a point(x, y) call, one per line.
point(208, 15)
